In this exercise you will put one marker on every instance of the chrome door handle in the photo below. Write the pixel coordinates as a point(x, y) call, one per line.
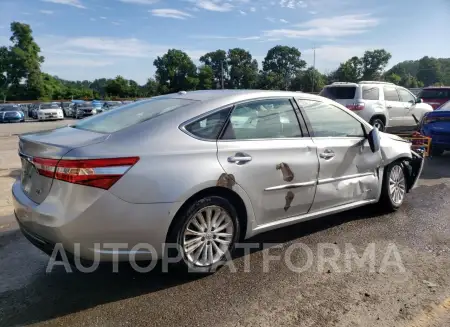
point(327, 154)
point(389, 107)
point(240, 158)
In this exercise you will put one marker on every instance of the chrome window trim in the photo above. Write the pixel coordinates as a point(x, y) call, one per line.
point(232, 106)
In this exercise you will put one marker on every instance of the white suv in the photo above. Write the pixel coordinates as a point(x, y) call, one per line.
point(384, 105)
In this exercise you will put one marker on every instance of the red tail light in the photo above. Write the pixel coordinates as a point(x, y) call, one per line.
point(101, 173)
point(356, 106)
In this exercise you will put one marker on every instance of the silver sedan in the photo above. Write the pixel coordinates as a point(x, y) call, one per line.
point(203, 170)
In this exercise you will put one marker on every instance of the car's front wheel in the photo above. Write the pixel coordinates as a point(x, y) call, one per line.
point(378, 123)
point(394, 187)
point(204, 235)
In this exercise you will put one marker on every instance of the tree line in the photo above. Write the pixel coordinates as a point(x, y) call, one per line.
point(283, 68)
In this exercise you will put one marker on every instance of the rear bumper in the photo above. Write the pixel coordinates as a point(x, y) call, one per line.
point(92, 224)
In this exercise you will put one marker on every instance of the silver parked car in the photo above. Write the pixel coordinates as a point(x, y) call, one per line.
point(203, 170)
point(384, 105)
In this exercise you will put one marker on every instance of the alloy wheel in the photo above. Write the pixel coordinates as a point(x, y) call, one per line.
point(397, 185)
point(208, 236)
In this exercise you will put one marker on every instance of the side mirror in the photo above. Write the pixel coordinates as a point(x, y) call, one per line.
point(419, 100)
point(374, 140)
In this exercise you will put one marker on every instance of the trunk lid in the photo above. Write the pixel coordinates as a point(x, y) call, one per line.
point(52, 144)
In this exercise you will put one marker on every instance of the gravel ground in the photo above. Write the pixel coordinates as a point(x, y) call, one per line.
point(407, 285)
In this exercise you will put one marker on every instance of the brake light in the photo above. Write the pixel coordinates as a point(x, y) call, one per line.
point(101, 173)
point(356, 106)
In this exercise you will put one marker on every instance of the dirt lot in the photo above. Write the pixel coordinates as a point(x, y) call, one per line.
point(418, 295)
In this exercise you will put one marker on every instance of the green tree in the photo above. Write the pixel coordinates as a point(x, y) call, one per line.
point(285, 62)
point(310, 80)
point(117, 87)
point(25, 60)
point(133, 89)
point(393, 78)
point(217, 60)
point(175, 72)
point(349, 71)
point(150, 88)
point(4, 72)
point(430, 71)
point(205, 77)
point(373, 63)
point(270, 81)
point(243, 69)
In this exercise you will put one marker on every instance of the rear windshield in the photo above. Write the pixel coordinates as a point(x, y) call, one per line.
point(339, 92)
point(444, 107)
point(435, 94)
point(131, 114)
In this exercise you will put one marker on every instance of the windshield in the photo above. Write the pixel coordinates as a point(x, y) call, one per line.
point(49, 106)
point(132, 114)
point(435, 94)
point(338, 92)
point(444, 107)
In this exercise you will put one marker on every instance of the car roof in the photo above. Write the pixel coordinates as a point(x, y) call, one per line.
point(231, 95)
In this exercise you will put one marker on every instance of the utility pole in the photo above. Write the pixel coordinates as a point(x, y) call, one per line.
point(314, 68)
point(221, 73)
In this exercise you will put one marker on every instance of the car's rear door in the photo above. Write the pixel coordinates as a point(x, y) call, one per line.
point(263, 147)
point(348, 169)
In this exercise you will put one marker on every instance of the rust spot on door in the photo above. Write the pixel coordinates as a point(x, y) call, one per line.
point(289, 197)
point(288, 175)
point(226, 180)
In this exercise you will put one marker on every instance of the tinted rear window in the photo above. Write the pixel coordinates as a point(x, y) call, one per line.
point(370, 93)
point(339, 92)
point(132, 114)
point(435, 94)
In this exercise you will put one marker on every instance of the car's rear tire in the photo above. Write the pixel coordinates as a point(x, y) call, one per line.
point(394, 186)
point(205, 233)
point(378, 123)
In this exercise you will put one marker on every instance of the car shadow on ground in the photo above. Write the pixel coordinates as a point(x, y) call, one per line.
point(60, 293)
point(436, 167)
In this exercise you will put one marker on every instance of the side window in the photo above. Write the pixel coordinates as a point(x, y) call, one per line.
point(370, 93)
point(390, 94)
point(329, 121)
point(210, 126)
point(262, 119)
point(405, 96)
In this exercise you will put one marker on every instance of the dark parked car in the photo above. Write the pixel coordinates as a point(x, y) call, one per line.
point(435, 96)
point(11, 114)
point(81, 110)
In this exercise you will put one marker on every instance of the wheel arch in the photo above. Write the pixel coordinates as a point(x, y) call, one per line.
point(237, 198)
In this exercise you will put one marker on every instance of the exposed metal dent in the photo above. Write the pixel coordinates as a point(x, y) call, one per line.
point(290, 186)
point(226, 180)
point(288, 175)
point(289, 197)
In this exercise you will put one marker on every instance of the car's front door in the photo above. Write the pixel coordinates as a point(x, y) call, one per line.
point(394, 106)
point(348, 169)
point(409, 103)
point(263, 147)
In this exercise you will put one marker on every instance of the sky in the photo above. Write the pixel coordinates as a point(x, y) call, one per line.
point(88, 39)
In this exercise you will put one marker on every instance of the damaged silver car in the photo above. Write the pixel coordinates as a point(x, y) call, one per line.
point(203, 170)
